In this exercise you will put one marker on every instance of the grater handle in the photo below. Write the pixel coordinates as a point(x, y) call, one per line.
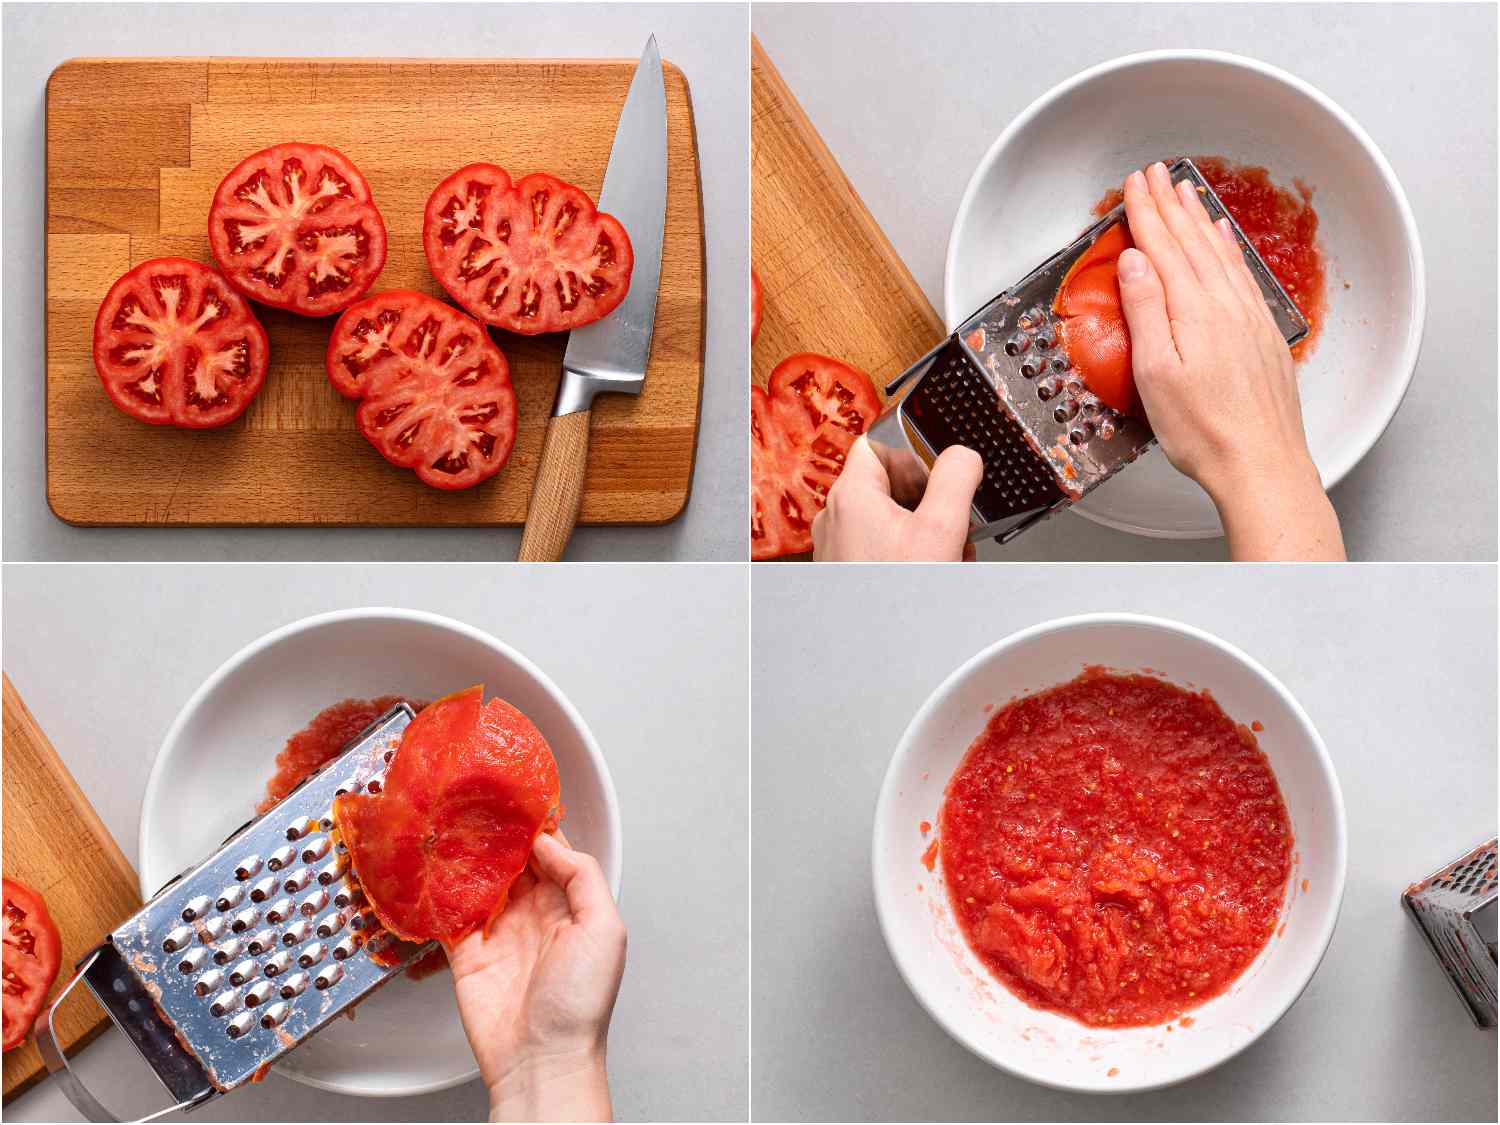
point(57, 1063)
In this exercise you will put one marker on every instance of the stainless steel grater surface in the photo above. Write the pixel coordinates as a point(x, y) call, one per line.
point(238, 960)
point(1002, 385)
point(1455, 908)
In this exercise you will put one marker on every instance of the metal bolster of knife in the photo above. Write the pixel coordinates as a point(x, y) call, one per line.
point(1003, 385)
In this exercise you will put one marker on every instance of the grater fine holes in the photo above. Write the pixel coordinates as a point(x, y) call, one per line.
point(334, 871)
point(331, 924)
point(230, 897)
point(299, 829)
point(279, 911)
point(345, 949)
point(314, 903)
point(375, 784)
point(275, 1014)
point(212, 930)
point(224, 1003)
point(245, 970)
point(297, 933)
point(245, 919)
point(294, 985)
point(247, 868)
point(263, 940)
point(196, 908)
point(328, 976)
point(280, 858)
point(177, 939)
point(317, 850)
point(239, 1025)
point(192, 960)
point(257, 994)
point(211, 981)
point(297, 880)
point(263, 890)
point(227, 952)
point(277, 965)
point(311, 955)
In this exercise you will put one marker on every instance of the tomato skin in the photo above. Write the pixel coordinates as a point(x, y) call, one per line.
point(799, 432)
point(1094, 332)
point(350, 225)
point(33, 951)
point(467, 414)
point(150, 294)
point(521, 288)
point(755, 299)
point(471, 787)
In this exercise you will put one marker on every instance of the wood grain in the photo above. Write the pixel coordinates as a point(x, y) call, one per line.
point(555, 499)
point(56, 844)
point(832, 281)
point(135, 148)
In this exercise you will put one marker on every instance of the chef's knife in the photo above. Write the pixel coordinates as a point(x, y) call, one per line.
point(610, 354)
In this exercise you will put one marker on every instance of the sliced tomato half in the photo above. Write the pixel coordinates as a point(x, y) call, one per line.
point(531, 256)
point(175, 345)
point(434, 389)
point(472, 786)
point(294, 226)
point(800, 430)
point(32, 953)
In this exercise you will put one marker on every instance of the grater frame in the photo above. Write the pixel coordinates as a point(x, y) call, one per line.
point(1002, 384)
point(238, 960)
point(1455, 908)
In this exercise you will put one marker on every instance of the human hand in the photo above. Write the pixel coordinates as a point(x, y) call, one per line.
point(863, 522)
point(1216, 377)
point(536, 993)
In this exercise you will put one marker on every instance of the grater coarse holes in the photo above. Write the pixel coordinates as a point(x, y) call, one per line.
point(1002, 384)
point(1455, 909)
point(239, 959)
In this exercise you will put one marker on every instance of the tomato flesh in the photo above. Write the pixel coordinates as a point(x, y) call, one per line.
point(800, 430)
point(472, 786)
point(295, 226)
point(1115, 849)
point(32, 953)
point(175, 345)
point(531, 256)
point(434, 390)
point(322, 740)
point(1093, 325)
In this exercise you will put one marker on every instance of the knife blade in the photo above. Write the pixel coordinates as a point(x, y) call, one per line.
point(611, 354)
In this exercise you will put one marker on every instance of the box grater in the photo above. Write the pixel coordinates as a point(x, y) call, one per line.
point(1002, 385)
point(238, 960)
point(1455, 908)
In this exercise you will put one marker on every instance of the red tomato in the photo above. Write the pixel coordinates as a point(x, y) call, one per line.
point(531, 257)
point(472, 786)
point(175, 345)
point(799, 433)
point(1093, 329)
point(294, 226)
point(32, 953)
point(434, 390)
point(754, 305)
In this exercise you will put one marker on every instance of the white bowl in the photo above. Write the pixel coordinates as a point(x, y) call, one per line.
point(213, 767)
point(1032, 192)
point(918, 922)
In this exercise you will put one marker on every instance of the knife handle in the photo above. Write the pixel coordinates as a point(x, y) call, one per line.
point(557, 492)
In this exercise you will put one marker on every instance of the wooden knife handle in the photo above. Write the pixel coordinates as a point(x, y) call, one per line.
point(557, 492)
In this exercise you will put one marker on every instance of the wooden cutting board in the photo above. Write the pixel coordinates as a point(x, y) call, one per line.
point(831, 280)
point(56, 844)
point(135, 149)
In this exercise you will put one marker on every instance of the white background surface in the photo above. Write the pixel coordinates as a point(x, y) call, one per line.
point(1396, 667)
point(654, 658)
point(913, 95)
point(707, 41)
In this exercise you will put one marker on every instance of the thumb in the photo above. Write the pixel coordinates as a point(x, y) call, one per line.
point(950, 489)
point(1145, 304)
point(863, 466)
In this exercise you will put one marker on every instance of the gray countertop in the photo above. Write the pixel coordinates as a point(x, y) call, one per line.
point(1396, 667)
point(908, 106)
point(611, 637)
point(706, 40)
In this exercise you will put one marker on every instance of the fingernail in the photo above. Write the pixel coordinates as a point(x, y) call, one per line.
point(1159, 168)
point(1132, 265)
point(1137, 179)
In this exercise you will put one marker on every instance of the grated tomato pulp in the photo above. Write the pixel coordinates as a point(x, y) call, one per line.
point(1115, 848)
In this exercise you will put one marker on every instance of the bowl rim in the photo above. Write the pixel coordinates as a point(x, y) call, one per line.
point(885, 909)
point(1411, 346)
point(155, 779)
